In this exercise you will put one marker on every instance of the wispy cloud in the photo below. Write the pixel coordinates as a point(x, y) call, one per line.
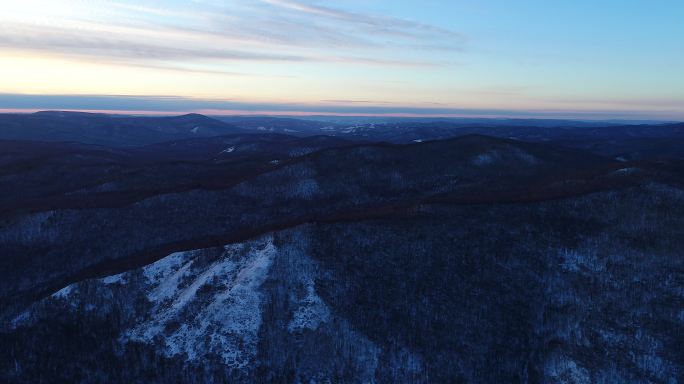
point(177, 36)
point(70, 42)
point(384, 24)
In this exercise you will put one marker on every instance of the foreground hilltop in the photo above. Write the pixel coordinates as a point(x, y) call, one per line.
point(273, 258)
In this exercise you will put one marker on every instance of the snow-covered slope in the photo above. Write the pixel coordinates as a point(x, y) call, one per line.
point(213, 307)
point(228, 309)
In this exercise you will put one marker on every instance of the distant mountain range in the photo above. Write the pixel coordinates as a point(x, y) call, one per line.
point(615, 139)
point(108, 129)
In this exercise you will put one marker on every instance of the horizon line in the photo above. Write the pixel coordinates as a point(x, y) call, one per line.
point(294, 114)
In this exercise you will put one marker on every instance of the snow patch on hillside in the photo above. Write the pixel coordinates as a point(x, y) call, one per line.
point(166, 275)
point(115, 279)
point(486, 158)
point(311, 312)
point(629, 170)
point(300, 151)
point(201, 309)
point(24, 318)
point(63, 293)
point(560, 369)
point(505, 155)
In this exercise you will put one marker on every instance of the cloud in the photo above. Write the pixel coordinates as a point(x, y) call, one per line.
point(178, 36)
point(356, 102)
point(385, 24)
point(100, 45)
point(70, 42)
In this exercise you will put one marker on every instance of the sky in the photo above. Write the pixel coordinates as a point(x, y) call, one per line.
point(583, 59)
